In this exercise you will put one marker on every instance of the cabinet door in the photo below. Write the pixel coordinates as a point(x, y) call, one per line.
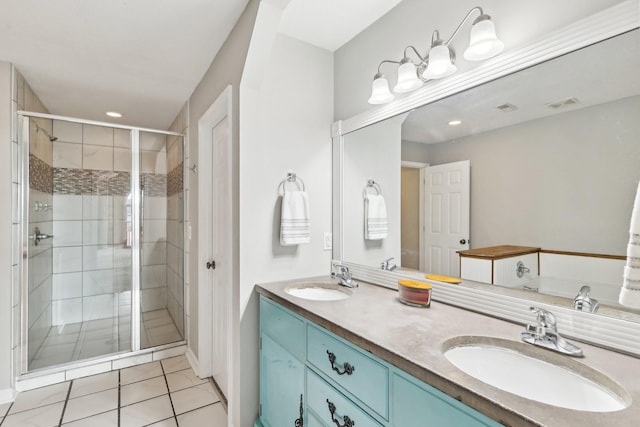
point(416, 404)
point(281, 385)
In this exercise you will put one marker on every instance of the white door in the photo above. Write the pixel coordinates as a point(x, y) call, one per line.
point(447, 192)
point(220, 248)
point(214, 244)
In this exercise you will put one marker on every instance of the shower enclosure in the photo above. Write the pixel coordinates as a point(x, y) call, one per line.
point(102, 209)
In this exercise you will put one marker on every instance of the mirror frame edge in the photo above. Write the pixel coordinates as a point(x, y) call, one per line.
point(605, 24)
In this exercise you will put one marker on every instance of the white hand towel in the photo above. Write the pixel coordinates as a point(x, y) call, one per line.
point(634, 227)
point(375, 217)
point(295, 226)
point(633, 251)
point(630, 291)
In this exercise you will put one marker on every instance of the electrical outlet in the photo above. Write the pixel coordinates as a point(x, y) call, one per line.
point(328, 241)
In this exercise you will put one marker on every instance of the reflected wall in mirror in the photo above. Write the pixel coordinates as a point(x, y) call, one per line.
point(554, 154)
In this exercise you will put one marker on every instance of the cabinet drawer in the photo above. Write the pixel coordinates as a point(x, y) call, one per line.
point(368, 380)
point(416, 404)
point(283, 326)
point(320, 393)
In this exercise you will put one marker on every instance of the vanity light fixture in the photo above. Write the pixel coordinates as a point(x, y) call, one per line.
point(439, 62)
point(113, 114)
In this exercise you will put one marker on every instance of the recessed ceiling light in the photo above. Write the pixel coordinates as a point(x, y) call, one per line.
point(113, 114)
point(454, 122)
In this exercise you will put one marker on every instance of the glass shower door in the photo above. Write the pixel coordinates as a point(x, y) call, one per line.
point(80, 281)
point(161, 239)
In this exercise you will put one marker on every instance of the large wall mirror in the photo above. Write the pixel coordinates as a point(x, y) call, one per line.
point(553, 155)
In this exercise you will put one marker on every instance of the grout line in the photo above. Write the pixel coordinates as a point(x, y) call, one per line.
point(64, 407)
point(175, 417)
point(119, 398)
point(218, 390)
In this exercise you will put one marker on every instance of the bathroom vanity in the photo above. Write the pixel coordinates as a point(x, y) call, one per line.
point(368, 360)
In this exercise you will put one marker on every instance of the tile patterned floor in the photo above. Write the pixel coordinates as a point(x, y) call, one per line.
point(101, 337)
point(160, 394)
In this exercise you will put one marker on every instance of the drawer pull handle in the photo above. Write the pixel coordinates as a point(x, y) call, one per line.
point(348, 422)
point(300, 421)
point(346, 366)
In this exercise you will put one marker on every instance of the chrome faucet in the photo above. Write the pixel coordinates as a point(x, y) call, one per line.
point(343, 276)
point(544, 333)
point(521, 269)
point(584, 302)
point(385, 264)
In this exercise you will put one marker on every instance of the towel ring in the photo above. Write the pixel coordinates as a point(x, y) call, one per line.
point(293, 178)
point(372, 184)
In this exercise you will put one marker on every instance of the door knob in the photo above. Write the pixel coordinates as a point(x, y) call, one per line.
point(211, 265)
point(463, 241)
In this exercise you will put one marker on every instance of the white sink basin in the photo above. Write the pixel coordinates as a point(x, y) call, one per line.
point(319, 291)
point(517, 368)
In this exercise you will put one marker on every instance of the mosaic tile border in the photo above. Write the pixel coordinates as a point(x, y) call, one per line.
point(154, 185)
point(175, 180)
point(91, 182)
point(40, 175)
point(98, 182)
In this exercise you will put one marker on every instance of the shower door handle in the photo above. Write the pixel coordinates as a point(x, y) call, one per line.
point(37, 236)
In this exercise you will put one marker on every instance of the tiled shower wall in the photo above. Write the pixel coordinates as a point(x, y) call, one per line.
point(175, 232)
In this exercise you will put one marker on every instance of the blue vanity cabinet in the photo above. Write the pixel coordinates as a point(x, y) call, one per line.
point(416, 404)
point(282, 341)
point(308, 371)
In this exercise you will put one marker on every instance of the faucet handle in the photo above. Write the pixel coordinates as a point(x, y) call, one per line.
point(544, 319)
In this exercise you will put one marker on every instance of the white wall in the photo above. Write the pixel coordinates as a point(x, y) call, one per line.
point(372, 152)
point(413, 21)
point(226, 69)
point(565, 182)
point(285, 119)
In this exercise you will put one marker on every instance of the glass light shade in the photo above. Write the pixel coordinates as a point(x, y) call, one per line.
point(380, 93)
point(483, 42)
point(407, 78)
point(440, 64)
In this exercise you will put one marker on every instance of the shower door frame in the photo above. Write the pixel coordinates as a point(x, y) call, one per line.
point(23, 118)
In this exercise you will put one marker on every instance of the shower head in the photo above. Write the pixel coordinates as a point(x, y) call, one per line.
point(38, 129)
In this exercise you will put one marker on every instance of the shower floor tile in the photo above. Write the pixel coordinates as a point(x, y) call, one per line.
point(93, 338)
point(136, 396)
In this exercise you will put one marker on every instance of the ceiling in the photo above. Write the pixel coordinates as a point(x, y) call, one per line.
point(143, 58)
point(570, 76)
point(309, 21)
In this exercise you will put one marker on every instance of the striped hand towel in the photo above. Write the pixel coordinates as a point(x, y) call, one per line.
point(295, 227)
point(375, 217)
point(630, 291)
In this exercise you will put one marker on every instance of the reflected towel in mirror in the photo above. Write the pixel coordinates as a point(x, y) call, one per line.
point(375, 217)
point(630, 291)
point(295, 225)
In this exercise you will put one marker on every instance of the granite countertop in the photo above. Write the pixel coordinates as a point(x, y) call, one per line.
point(412, 339)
